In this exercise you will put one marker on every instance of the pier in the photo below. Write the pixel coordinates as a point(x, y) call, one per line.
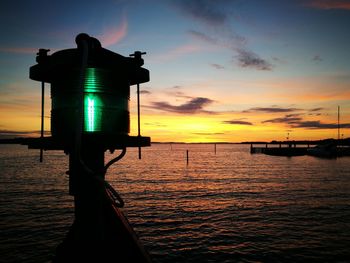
point(280, 149)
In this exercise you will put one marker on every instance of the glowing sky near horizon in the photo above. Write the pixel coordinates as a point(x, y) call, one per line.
point(226, 70)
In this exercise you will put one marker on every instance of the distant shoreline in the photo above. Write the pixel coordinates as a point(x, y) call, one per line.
point(346, 141)
point(311, 142)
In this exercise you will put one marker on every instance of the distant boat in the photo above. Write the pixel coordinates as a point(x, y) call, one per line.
point(332, 149)
point(328, 150)
point(343, 151)
point(285, 151)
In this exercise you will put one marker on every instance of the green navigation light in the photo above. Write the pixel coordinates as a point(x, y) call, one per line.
point(92, 102)
point(90, 114)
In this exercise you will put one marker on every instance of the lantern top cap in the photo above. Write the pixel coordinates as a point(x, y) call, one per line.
point(62, 62)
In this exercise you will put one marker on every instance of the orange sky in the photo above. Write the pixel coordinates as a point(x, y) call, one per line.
point(225, 72)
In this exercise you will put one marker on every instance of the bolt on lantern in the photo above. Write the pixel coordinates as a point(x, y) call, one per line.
point(90, 89)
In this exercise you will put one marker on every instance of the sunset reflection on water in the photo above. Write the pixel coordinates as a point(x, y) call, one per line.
point(225, 207)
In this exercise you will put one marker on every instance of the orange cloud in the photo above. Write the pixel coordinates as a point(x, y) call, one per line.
point(314, 97)
point(330, 4)
point(114, 35)
point(177, 52)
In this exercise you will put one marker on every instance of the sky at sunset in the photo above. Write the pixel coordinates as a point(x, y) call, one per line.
point(221, 71)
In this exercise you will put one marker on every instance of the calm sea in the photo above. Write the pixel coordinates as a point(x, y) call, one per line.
point(225, 207)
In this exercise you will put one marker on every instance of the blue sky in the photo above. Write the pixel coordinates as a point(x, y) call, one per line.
point(221, 70)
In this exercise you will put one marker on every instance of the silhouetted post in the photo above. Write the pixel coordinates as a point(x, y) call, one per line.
point(89, 195)
point(187, 157)
point(215, 148)
point(42, 117)
point(138, 55)
point(138, 116)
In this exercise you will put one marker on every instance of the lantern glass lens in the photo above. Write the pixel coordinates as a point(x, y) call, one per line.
point(93, 105)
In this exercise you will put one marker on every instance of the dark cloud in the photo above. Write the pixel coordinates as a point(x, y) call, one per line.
point(203, 37)
point(286, 119)
point(234, 42)
point(248, 59)
point(207, 11)
point(176, 92)
point(217, 66)
point(145, 92)
point(195, 105)
point(208, 133)
point(158, 124)
point(215, 13)
point(317, 58)
point(293, 115)
point(270, 109)
point(316, 109)
point(298, 122)
point(318, 125)
point(279, 60)
point(238, 122)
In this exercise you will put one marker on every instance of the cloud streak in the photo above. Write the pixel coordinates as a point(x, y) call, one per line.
point(114, 35)
point(217, 66)
point(316, 109)
point(317, 58)
point(287, 119)
point(145, 92)
point(329, 4)
point(248, 59)
point(216, 13)
point(238, 122)
point(193, 106)
point(297, 122)
point(270, 109)
point(207, 11)
point(178, 52)
point(244, 57)
point(203, 37)
point(319, 125)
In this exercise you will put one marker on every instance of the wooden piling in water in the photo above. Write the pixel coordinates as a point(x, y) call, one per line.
point(187, 157)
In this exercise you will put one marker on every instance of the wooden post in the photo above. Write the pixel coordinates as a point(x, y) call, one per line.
point(42, 117)
point(138, 117)
point(215, 148)
point(187, 157)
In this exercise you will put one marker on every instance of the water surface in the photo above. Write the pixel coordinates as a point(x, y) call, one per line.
point(225, 207)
